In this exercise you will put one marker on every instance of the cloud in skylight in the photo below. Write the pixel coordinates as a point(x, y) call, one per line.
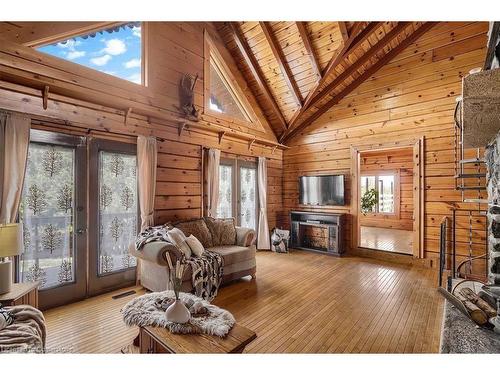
point(71, 55)
point(134, 63)
point(100, 61)
point(136, 78)
point(114, 47)
point(136, 31)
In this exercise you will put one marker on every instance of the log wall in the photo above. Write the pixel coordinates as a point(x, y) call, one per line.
point(82, 99)
point(412, 96)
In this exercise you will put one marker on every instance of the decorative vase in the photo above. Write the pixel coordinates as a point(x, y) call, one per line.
point(178, 313)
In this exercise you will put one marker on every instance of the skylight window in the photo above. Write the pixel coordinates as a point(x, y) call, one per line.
point(116, 51)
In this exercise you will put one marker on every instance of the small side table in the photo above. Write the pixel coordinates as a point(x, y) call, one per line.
point(21, 294)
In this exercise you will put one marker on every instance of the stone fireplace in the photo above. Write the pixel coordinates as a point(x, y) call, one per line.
point(492, 157)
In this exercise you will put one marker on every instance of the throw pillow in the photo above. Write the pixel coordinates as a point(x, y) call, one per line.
point(223, 231)
point(197, 228)
point(196, 246)
point(179, 240)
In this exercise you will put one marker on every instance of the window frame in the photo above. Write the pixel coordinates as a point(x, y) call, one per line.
point(235, 165)
point(397, 192)
point(211, 52)
point(78, 33)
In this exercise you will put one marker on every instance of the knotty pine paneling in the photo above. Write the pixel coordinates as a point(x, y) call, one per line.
point(413, 96)
point(173, 48)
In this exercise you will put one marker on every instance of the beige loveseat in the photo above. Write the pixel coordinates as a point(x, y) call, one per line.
point(235, 244)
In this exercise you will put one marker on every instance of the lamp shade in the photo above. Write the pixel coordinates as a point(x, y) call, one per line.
point(11, 239)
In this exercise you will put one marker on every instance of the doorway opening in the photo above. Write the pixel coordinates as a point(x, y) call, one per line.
point(387, 198)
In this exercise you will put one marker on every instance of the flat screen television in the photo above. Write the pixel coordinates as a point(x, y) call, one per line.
point(322, 190)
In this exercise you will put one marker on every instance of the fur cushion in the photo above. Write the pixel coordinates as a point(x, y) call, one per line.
point(197, 228)
point(196, 246)
point(179, 240)
point(223, 231)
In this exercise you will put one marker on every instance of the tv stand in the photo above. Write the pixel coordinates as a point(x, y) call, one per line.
point(332, 224)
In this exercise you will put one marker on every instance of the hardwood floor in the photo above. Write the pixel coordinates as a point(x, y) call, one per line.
point(300, 302)
point(387, 239)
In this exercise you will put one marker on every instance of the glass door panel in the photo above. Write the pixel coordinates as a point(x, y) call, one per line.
point(248, 196)
point(225, 205)
point(51, 210)
point(115, 210)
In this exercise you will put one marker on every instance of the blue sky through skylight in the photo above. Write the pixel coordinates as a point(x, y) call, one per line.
point(117, 53)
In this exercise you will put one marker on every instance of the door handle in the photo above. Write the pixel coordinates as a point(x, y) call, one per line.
point(81, 230)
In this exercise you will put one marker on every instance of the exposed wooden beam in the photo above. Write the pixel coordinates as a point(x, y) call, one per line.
point(358, 35)
point(379, 46)
point(363, 77)
point(254, 68)
point(301, 26)
point(280, 58)
point(343, 30)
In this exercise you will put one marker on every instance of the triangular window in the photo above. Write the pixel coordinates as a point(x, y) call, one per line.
point(222, 97)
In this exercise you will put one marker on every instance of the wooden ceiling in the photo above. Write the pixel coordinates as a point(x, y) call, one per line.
point(298, 70)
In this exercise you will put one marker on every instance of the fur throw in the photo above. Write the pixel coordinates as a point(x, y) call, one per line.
point(149, 310)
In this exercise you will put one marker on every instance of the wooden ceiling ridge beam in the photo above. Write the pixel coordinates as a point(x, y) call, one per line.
point(358, 34)
point(301, 26)
point(253, 65)
point(343, 30)
point(280, 58)
point(363, 77)
point(379, 46)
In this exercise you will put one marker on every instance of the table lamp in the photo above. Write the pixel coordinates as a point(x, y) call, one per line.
point(11, 244)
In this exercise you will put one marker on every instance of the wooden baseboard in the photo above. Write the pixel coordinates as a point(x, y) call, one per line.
point(390, 257)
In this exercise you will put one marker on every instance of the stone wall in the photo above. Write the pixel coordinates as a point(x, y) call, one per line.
point(493, 187)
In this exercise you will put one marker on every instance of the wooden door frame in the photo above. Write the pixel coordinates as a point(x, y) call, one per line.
point(418, 189)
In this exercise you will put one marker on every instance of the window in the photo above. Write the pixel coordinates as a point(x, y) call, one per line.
point(223, 97)
point(386, 186)
point(238, 195)
point(116, 51)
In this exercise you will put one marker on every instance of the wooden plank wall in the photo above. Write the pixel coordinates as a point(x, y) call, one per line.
point(412, 96)
point(174, 48)
point(399, 161)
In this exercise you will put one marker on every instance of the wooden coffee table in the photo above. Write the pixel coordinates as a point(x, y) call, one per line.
point(160, 340)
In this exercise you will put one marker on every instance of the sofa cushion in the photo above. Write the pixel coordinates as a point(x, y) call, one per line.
point(234, 254)
point(197, 228)
point(223, 231)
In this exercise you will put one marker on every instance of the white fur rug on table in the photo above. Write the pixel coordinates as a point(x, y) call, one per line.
point(149, 310)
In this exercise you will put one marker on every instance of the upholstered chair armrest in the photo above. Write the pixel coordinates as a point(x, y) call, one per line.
point(245, 236)
point(155, 252)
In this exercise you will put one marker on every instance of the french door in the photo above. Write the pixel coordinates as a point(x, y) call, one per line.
point(77, 229)
point(238, 192)
point(54, 216)
point(114, 214)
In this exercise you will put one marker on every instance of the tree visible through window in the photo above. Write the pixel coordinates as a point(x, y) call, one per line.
point(116, 51)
